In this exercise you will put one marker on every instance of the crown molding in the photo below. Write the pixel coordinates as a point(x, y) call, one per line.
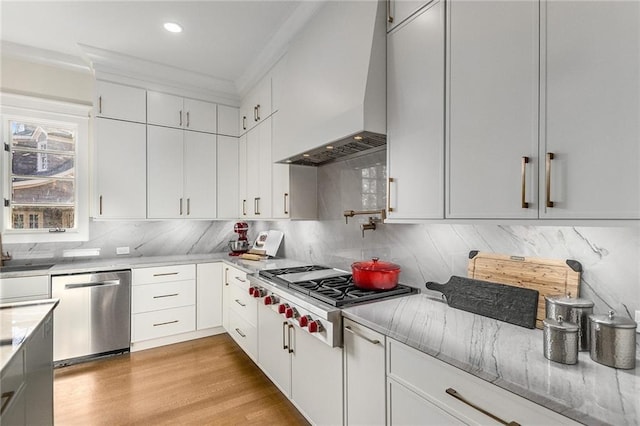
point(44, 57)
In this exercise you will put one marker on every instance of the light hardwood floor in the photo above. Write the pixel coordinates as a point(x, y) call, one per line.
point(204, 381)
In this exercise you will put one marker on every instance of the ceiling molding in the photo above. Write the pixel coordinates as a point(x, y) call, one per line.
point(44, 57)
point(277, 46)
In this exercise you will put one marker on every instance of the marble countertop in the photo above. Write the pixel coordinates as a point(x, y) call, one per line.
point(507, 356)
point(17, 322)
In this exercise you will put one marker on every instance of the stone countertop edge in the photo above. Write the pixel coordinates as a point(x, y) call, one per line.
point(38, 310)
point(508, 356)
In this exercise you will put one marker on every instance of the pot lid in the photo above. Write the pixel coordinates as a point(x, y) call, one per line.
point(560, 324)
point(573, 302)
point(613, 320)
point(375, 265)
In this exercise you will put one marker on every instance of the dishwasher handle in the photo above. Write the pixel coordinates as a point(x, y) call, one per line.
point(92, 284)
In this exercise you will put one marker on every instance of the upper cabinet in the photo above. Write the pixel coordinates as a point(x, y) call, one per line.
point(399, 10)
point(492, 121)
point(256, 106)
point(415, 116)
point(120, 102)
point(227, 121)
point(183, 113)
point(590, 127)
point(227, 181)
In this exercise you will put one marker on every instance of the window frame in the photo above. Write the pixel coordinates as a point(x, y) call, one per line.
point(15, 107)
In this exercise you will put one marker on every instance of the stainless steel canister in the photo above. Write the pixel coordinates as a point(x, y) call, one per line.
point(613, 340)
point(574, 310)
point(560, 340)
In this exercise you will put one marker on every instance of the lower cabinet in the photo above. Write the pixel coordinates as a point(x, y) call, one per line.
point(424, 390)
point(208, 295)
point(21, 289)
point(364, 375)
point(241, 310)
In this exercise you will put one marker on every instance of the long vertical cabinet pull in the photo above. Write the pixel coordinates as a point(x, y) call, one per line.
point(226, 276)
point(456, 395)
point(100, 104)
point(100, 205)
point(244, 122)
point(180, 118)
point(286, 196)
point(389, 16)
point(180, 206)
point(389, 182)
point(547, 169)
point(284, 330)
point(188, 206)
point(244, 207)
point(290, 348)
point(258, 112)
point(256, 206)
point(188, 121)
point(525, 161)
point(255, 113)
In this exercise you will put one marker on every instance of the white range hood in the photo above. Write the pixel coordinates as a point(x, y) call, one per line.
point(335, 83)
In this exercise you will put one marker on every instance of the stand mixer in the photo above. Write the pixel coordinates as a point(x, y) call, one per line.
point(241, 245)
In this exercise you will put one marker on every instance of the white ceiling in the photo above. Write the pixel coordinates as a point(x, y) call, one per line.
point(221, 39)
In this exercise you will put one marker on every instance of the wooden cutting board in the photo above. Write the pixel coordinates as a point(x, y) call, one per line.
point(550, 277)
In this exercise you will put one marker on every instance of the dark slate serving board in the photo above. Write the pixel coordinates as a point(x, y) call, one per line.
point(503, 302)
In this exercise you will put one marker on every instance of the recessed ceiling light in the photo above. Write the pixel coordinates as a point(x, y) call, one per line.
point(329, 146)
point(172, 27)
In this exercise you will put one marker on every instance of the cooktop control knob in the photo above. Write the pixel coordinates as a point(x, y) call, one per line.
point(304, 320)
point(282, 308)
point(252, 290)
point(314, 326)
point(258, 292)
point(271, 300)
point(289, 313)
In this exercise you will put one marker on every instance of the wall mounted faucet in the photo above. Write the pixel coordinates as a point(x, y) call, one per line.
point(369, 226)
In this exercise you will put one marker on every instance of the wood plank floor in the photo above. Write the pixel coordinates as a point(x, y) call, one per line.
point(203, 381)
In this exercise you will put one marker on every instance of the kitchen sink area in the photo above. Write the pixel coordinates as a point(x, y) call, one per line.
point(25, 268)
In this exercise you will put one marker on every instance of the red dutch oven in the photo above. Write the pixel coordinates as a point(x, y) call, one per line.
point(375, 275)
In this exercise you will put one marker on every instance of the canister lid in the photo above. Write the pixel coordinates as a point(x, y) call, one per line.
point(560, 325)
point(573, 302)
point(613, 320)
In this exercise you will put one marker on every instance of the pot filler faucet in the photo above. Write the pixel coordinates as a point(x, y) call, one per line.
point(371, 225)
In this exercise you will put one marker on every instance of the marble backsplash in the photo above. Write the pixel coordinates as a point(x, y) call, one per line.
point(610, 256)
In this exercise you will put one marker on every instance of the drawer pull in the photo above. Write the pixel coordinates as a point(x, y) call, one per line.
point(165, 274)
point(240, 303)
point(460, 398)
point(352, 331)
point(166, 323)
point(240, 279)
point(290, 349)
point(7, 397)
point(165, 295)
point(240, 333)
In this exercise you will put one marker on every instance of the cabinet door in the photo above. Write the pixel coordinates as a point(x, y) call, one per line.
point(227, 120)
point(227, 188)
point(120, 162)
point(364, 375)
point(199, 116)
point(199, 175)
point(281, 203)
point(493, 109)
point(399, 10)
point(415, 116)
point(262, 98)
point(209, 295)
point(408, 408)
point(265, 168)
point(165, 110)
point(120, 102)
point(316, 375)
point(273, 350)
point(253, 165)
point(243, 207)
point(164, 172)
point(592, 108)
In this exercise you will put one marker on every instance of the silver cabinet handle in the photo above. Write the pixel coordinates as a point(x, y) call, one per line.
point(165, 295)
point(286, 196)
point(180, 206)
point(456, 395)
point(105, 283)
point(240, 279)
point(290, 349)
point(255, 113)
point(389, 16)
point(188, 206)
point(352, 331)
point(181, 118)
point(240, 333)
point(256, 206)
point(244, 122)
point(165, 323)
point(226, 276)
point(284, 329)
point(101, 205)
point(188, 121)
point(547, 167)
point(244, 207)
point(389, 182)
point(100, 104)
point(240, 303)
point(258, 110)
point(164, 274)
point(525, 161)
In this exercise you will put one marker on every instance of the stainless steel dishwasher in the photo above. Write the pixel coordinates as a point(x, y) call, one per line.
point(93, 318)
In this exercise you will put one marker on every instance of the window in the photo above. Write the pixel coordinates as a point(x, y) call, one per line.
point(45, 186)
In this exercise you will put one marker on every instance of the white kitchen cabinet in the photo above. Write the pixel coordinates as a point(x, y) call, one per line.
point(120, 102)
point(492, 141)
point(232, 277)
point(273, 349)
point(258, 171)
point(420, 386)
point(399, 10)
point(183, 113)
point(590, 122)
point(163, 302)
point(209, 295)
point(364, 375)
point(242, 313)
point(181, 174)
point(120, 170)
point(22, 289)
point(243, 208)
point(227, 180)
point(415, 116)
point(256, 105)
point(227, 121)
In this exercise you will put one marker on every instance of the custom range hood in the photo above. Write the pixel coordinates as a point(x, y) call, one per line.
point(334, 99)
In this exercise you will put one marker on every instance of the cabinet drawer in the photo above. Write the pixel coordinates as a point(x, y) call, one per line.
point(244, 304)
point(24, 288)
point(151, 325)
point(238, 278)
point(244, 334)
point(152, 297)
point(163, 274)
point(430, 378)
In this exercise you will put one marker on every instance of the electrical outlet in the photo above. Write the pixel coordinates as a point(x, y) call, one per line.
point(122, 250)
point(637, 321)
